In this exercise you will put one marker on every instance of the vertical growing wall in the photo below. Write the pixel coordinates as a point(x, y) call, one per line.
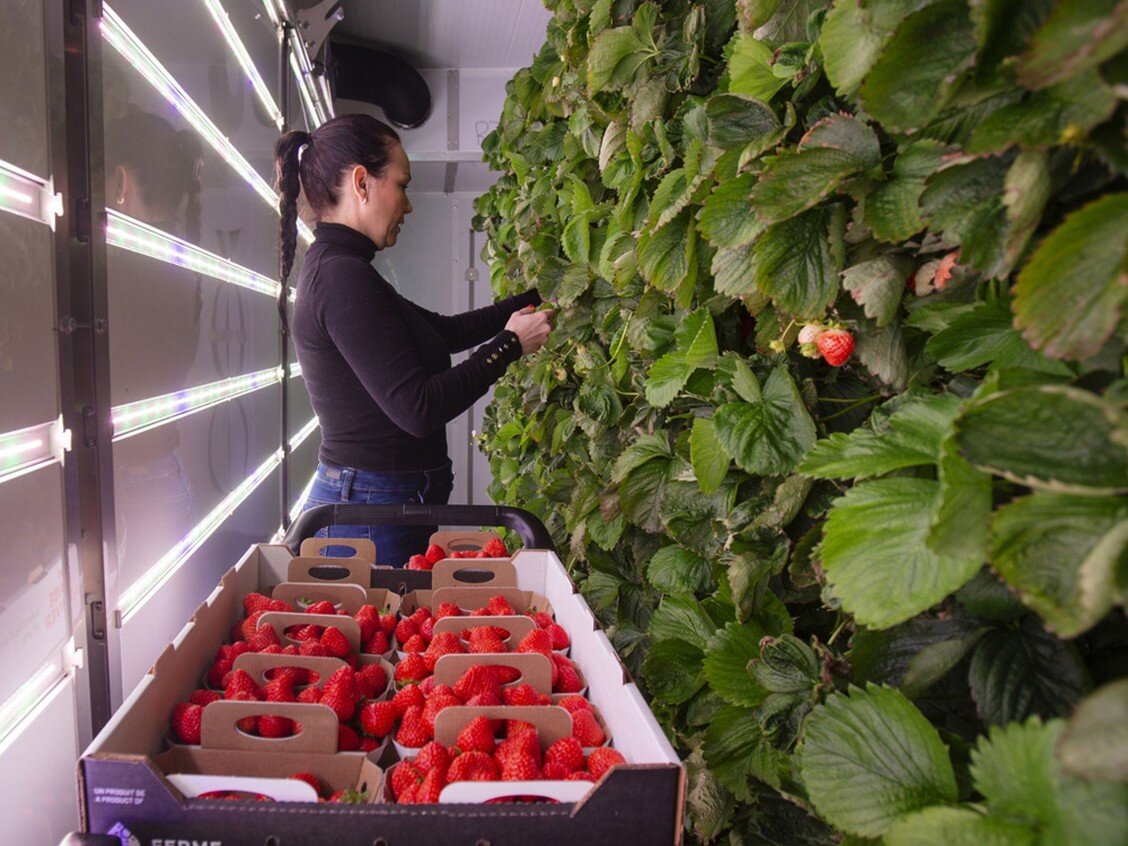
point(879, 596)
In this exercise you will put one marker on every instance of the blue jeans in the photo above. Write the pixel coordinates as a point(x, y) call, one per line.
point(394, 544)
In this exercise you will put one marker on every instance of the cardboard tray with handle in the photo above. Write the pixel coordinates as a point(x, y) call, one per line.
point(346, 582)
point(259, 664)
point(280, 621)
point(469, 583)
point(229, 760)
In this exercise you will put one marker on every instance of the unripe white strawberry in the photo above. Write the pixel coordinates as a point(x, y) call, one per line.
point(809, 333)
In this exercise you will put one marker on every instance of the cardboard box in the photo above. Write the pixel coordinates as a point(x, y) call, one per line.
point(469, 583)
point(122, 788)
point(229, 760)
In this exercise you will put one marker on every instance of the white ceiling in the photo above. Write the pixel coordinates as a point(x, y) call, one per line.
point(450, 33)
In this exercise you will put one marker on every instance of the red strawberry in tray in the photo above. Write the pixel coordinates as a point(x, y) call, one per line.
point(434, 554)
point(186, 719)
point(495, 548)
point(473, 766)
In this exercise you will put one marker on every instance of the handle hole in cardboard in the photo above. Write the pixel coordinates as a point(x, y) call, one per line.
point(379, 841)
point(328, 549)
point(329, 573)
point(294, 726)
point(473, 577)
point(304, 677)
point(464, 546)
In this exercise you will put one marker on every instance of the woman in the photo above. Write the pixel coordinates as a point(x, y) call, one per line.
point(377, 366)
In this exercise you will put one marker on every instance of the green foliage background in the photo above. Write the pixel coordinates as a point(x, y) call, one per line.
point(863, 601)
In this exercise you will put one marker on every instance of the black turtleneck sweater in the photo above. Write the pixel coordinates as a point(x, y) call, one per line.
point(377, 366)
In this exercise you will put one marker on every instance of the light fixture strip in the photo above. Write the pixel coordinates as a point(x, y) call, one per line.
point(295, 369)
point(223, 21)
point(133, 597)
point(26, 450)
point(26, 195)
point(141, 416)
point(28, 696)
point(300, 436)
point(307, 77)
point(133, 235)
point(121, 38)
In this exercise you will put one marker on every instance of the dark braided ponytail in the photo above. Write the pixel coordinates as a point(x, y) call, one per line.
point(287, 171)
point(334, 147)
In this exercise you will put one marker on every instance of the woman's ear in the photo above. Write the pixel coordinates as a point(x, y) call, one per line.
point(358, 181)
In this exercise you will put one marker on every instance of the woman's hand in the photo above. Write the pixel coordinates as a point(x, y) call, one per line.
point(531, 327)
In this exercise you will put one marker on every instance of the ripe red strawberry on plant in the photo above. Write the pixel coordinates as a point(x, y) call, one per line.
point(835, 345)
point(473, 766)
point(186, 721)
point(371, 681)
point(603, 759)
point(378, 719)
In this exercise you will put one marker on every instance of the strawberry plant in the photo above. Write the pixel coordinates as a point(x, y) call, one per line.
point(872, 587)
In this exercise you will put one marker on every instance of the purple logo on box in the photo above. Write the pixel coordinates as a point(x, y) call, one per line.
point(122, 833)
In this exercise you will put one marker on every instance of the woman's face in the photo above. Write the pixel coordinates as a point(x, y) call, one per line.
point(387, 206)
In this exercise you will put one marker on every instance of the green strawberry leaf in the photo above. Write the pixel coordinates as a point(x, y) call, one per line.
point(892, 210)
point(1069, 440)
point(767, 437)
point(672, 670)
point(695, 346)
point(981, 334)
point(1016, 673)
point(1015, 769)
point(726, 663)
point(726, 219)
point(884, 657)
point(876, 556)
point(667, 257)
point(615, 58)
point(682, 618)
point(1070, 295)
point(750, 69)
point(911, 436)
point(920, 65)
point(1076, 37)
point(734, 273)
point(1095, 742)
point(957, 827)
point(735, 121)
point(961, 518)
point(794, 265)
point(675, 569)
point(707, 455)
point(852, 37)
point(710, 805)
point(878, 285)
point(1050, 548)
point(870, 758)
point(735, 749)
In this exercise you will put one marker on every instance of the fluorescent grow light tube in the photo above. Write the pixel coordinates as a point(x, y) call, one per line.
point(314, 114)
point(133, 597)
point(121, 38)
point(223, 21)
point(135, 236)
point(299, 437)
point(27, 195)
point(29, 696)
point(143, 415)
point(27, 450)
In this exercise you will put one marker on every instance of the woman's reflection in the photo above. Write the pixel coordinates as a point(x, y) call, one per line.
point(153, 174)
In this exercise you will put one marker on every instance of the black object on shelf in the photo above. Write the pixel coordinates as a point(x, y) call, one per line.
point(532, 531)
